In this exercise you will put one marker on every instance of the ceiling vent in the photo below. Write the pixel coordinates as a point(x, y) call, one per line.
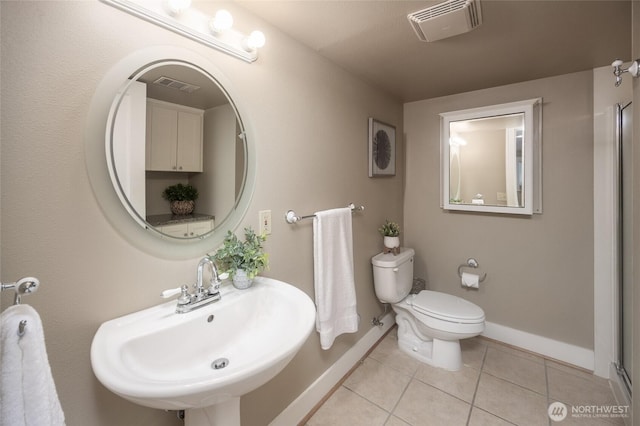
point(176, 84)
point(446, 19)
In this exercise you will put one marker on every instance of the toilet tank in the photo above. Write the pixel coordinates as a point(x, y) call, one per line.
point(393, 275)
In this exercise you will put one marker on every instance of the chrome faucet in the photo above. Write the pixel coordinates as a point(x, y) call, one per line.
point(201, 296)
point(214, 284)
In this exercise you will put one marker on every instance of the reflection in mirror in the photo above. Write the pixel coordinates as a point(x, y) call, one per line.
point(175, 124)
point(489, 158)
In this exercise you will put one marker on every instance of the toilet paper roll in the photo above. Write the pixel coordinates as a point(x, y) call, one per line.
point(470, 280)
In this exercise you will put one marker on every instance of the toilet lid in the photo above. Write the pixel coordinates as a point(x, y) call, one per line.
point(447, 307)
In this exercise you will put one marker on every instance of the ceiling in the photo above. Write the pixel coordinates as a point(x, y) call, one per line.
point(518, 41)
point(207, 95)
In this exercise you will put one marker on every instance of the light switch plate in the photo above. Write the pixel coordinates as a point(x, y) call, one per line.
point(264, 216)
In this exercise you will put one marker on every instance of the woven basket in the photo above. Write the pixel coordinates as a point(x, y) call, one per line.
point(182, 207)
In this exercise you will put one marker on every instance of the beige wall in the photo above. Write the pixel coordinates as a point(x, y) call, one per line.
point(311, 121)
point(539, 268)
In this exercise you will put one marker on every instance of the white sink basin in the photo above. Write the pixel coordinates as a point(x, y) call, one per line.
point(161, 359)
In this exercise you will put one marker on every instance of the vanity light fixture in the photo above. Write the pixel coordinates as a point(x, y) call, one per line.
point(221, 22)
point(176, 7)
point(179, 17)
point(255, 41)
point(633, 69)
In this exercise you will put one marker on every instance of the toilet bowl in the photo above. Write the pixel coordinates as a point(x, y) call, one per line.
point(430, 323)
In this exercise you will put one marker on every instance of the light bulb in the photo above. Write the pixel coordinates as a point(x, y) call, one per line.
point(456, 140)
point(255, 40)
point(222, 21)
point(176, 7)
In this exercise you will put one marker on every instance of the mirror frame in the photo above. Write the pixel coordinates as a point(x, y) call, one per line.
point(532, 178)
point(98, 128)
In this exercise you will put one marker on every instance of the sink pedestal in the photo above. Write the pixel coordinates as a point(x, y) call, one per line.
point(225, 413)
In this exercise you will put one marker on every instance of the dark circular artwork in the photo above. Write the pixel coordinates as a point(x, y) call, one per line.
point(382, 149)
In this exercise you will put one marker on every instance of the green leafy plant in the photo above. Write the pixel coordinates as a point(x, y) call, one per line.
point(247, 255)
point(389, 229)
point(180, 192)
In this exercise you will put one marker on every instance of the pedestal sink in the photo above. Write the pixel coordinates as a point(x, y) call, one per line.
point(203, 361)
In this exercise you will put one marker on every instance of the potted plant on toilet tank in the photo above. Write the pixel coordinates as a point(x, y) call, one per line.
point(182, 198)
point(391, 233)
point(242, 260)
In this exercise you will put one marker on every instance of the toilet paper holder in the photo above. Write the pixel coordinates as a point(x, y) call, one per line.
point(471, 263)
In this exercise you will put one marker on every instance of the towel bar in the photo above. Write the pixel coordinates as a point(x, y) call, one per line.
point(292, 217)
point(22, 286)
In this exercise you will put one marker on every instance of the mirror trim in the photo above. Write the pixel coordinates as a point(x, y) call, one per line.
point(532, 178)
point(97, 165)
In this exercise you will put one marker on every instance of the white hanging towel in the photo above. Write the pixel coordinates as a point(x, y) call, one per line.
point(333, 275)
point(28, 395)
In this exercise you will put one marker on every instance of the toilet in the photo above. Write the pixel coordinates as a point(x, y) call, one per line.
point(430, 323)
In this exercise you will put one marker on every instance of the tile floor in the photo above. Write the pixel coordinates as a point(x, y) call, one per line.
point(497, 385)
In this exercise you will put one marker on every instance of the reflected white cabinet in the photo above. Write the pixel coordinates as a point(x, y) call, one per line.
point(188, 229)
point(174, 137)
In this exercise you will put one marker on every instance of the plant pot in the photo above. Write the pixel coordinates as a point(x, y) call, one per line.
point(391, 242)
point(241, 280)
point(182, 207)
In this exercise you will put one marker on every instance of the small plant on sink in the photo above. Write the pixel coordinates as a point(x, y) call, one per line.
point(243, 260)
point(182, 198)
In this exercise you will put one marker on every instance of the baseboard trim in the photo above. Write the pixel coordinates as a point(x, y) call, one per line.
point(301, 406)
point(555, 349)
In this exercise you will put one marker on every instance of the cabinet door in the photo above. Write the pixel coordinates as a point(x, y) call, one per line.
point(200, 228)
point(180, 230)
point(188, 230)
point(189, 153)
point(162, 135)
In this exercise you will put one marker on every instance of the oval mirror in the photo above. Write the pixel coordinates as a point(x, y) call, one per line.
point(166, 116)
point(175, 133)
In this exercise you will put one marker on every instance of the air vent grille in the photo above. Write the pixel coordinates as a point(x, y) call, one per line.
point(446, 19)
point(176, 84)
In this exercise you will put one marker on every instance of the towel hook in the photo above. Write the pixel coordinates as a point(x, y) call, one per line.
point(21, 328)
point(471, 263)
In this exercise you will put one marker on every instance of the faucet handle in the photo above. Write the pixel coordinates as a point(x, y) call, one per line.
point(184, 298)
point(171, 292)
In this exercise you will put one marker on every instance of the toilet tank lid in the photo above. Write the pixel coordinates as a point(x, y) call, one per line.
point(389, 260)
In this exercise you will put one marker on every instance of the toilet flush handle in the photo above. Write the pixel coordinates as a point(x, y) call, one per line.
point(395, 269)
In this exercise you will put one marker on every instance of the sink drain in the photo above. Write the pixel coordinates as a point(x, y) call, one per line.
point(219, 363)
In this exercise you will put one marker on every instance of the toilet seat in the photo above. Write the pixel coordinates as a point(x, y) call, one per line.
point(446, 307)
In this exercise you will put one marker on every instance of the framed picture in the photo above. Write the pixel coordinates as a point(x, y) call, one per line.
point(382, 149)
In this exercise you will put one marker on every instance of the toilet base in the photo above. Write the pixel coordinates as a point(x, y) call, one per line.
point(435, 352)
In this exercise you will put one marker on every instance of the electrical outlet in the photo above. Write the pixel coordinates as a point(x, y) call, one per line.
point(264, 216)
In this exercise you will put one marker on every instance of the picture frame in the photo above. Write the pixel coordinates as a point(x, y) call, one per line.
point(382, 149)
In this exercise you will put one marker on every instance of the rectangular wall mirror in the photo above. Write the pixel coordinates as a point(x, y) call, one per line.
point(490, 158)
